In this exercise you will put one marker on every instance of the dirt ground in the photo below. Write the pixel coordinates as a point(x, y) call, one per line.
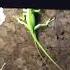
point(17, 48)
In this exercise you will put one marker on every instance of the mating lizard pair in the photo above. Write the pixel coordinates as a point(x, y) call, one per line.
point(30, 24)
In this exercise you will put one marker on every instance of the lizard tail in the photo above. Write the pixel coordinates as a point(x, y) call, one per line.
point(40, 46)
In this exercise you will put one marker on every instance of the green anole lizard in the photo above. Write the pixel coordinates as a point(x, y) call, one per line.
point(31, 26)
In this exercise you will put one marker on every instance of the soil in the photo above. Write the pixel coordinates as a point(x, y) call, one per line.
point(17, 48)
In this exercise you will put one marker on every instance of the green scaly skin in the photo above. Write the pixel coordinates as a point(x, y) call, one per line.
point(30, 19)
point(40, 46)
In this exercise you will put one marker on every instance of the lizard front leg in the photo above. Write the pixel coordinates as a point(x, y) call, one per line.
point(42, 25)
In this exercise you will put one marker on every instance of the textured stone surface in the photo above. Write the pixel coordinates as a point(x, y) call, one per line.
point(18, 51)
